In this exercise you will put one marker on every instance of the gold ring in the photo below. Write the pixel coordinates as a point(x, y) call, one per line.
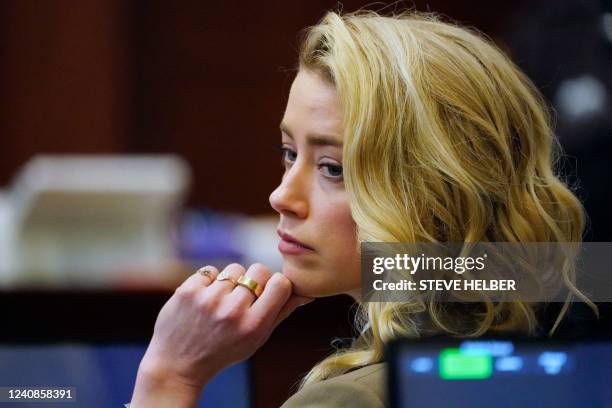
point(226, 276)
point(206, 271)
point(250, 284)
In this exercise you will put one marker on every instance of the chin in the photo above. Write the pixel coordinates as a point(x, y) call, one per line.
point(311, 283)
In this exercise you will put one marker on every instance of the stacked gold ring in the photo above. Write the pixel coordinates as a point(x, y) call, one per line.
point(250, 284)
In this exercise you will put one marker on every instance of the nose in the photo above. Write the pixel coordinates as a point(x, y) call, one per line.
point(290, 198)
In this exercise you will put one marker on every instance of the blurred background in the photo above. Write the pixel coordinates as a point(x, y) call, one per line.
point(138, 141)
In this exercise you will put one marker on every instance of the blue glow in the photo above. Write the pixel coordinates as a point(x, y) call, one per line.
point(421, 365)
point(552, 361)
point(509, 363)
point(493, 348)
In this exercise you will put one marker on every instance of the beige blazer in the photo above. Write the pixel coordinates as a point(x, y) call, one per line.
point(362, 388)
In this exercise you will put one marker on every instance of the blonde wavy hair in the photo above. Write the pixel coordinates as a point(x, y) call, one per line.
point(445, 140)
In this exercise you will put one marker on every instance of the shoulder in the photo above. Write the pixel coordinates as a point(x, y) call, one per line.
point(364, 387)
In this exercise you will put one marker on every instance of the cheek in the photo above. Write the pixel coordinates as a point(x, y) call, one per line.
point(338, 230)
point(339, 252)
point(335, 269)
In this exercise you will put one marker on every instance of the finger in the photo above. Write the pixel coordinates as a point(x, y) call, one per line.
point(242, 295)
point(223, 287)
point(267, 307)
point(209, 273)
point(196, 280)
point(293, 303)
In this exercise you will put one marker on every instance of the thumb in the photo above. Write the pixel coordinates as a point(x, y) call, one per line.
point(293, 303)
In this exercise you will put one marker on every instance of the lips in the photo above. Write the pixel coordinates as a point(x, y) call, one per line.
point(290, 244)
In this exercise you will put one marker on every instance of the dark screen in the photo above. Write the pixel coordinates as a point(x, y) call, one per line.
point(498, 373)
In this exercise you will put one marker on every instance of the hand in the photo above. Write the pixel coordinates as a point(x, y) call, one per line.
point(208, 325)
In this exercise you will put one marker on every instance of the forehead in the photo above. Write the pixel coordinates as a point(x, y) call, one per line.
point(313, 103)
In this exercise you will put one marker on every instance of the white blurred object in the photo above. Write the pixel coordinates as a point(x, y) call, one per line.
point(75, 220)
point(581, 97)
point(258, 241)
point(7, 241)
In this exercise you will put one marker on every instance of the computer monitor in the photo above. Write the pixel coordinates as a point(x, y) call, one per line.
point(499, 373)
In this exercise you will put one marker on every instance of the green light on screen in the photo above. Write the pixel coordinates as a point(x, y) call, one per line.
point(455, 365)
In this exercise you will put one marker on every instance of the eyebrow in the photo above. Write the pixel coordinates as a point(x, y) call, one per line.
point(315, 139)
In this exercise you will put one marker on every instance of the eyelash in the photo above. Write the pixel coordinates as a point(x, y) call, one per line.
point(285, 150)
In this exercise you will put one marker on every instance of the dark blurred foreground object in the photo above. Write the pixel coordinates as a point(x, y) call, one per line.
point(107, 318)
point(501, 372)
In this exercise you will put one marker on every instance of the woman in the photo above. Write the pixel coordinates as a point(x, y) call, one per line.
point(397, 129)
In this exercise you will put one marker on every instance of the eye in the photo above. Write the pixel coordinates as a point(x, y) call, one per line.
point(332, 171)
point(288, 155)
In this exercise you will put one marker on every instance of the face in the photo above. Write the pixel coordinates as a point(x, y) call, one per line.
point(318, 235)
